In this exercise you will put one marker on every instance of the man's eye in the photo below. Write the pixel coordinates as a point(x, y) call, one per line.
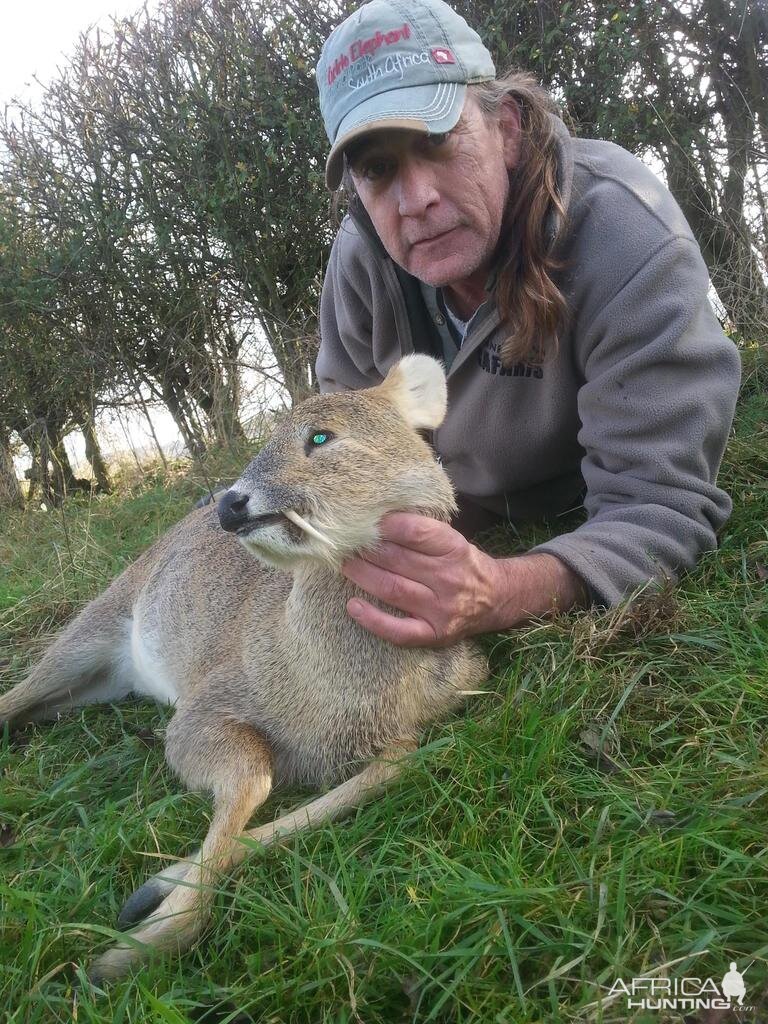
point(375, 168)
point(437, 139)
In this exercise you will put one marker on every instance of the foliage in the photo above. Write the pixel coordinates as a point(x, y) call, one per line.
point(173, 173)
point(164, 222)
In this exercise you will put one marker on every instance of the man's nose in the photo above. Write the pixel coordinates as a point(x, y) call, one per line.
point(416, 188)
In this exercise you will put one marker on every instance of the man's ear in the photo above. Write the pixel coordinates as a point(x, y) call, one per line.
point(509, 125)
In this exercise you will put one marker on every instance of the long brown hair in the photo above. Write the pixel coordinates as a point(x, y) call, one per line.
point(531, 306)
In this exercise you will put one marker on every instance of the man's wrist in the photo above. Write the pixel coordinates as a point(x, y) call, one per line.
point(534, 585)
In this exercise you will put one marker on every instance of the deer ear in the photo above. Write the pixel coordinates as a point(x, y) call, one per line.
point(416, 387)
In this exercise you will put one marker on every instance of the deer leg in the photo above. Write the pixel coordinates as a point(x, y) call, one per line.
point(340, 801)
point(85, 664)
point(175, 925)
point(209, 752)
point(149, 896)
point(333, 805)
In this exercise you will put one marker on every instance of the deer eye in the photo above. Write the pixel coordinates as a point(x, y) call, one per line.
point(317, 439)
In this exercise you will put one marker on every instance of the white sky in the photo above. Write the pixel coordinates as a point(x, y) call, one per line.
point(35, 33)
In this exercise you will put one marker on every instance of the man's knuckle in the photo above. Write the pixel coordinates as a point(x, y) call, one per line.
point(395, 588)
point(461, 546)
point(421, 530)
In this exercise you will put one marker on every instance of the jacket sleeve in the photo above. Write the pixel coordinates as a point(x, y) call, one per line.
point(350, 305)
point(656, 407)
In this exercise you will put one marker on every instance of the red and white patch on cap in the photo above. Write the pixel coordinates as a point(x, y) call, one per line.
point(441, 55)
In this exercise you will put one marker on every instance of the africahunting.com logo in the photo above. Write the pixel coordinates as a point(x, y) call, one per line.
point(684, 993)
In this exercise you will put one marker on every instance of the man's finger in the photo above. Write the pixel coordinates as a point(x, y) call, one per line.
point(391, 588)
point(407, 632)
point(400, 560)
point(410, 530)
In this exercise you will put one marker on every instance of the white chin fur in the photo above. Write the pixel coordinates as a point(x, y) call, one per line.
point(320, 542)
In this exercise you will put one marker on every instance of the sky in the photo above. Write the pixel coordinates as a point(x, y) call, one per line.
point(35, 34)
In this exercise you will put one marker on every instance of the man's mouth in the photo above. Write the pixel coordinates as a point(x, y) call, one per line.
point(431, 238)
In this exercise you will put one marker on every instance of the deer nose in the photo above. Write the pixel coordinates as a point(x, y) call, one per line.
point(233, 510)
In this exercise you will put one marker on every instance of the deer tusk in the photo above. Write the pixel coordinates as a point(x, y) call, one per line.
point(302, 523)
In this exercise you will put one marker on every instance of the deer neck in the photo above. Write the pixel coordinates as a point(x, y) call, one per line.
point(316, 616)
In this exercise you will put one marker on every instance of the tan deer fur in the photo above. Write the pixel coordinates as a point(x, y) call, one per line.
point(273, 683)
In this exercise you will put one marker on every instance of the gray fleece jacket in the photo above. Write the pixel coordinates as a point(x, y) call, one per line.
point(632, 415)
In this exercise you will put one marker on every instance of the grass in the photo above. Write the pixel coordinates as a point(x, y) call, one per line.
point(601, 813)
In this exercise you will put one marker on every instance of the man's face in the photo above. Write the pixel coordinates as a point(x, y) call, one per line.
point(437, 201)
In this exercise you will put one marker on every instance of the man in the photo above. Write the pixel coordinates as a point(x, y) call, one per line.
point(562, 287)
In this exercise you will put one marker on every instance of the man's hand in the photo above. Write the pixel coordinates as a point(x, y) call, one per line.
point(448, 588)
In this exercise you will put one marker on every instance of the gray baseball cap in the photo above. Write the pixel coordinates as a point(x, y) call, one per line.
point(394, 64)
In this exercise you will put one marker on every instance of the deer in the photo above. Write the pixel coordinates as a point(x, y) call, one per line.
point(237, 617)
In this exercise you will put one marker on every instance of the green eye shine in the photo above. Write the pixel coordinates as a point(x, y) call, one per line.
point(319, 438)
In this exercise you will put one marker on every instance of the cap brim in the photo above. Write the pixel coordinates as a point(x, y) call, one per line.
point(429, 109)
